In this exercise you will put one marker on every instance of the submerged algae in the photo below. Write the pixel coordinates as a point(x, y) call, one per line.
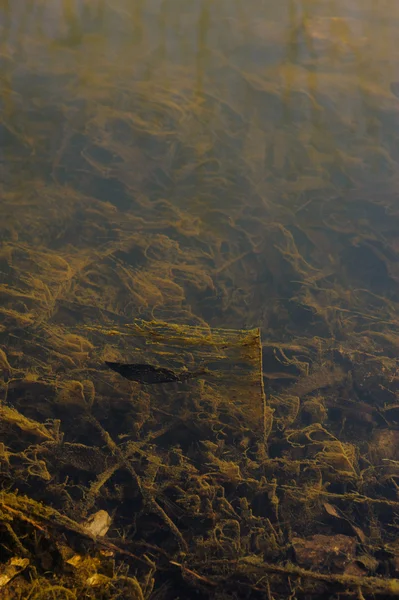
point(164, 212)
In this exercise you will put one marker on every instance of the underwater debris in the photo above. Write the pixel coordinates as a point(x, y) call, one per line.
point(98, 523)
point(208, 486)
point(14, 566)
point(324, 552)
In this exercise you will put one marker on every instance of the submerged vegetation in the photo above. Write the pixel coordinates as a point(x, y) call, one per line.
point(158, 218)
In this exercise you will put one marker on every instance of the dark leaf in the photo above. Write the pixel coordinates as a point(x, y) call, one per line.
point(143, 373)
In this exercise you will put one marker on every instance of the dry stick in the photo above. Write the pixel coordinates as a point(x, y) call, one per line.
point(147, 496)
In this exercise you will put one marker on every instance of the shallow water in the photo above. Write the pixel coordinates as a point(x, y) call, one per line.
point(276, 114)
point(202, 162)
point(231, 164)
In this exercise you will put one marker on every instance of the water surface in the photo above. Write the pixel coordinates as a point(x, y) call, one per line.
point(231, 164)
